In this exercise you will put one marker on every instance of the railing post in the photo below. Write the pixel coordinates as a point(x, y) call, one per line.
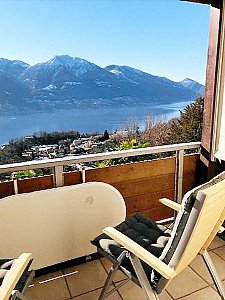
point(83, 174)
point(179, 175)
point(15, 185)
point(58, 176)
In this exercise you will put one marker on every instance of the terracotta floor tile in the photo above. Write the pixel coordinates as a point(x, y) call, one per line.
point(131, 291)
point(213, 286)
point(220, 251)
point(185, 283)
point(90, 276)
point(164, 296)
point(199, 266)
point(52, 290)
point(87, 283)
point(217, 242)
point(95, 294)
point(107, 264)
point(204, 294)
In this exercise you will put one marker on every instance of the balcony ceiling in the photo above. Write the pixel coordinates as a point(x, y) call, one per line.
point(215, 3)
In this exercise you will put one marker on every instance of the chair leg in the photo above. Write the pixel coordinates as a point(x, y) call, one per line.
point(111, 275)
point(213, 272)
point(18, 296)
point(144, 282)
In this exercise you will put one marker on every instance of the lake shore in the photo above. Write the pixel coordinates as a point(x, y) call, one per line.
point(83, 120)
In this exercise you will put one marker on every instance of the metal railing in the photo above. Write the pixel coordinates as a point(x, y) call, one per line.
point(57, 164)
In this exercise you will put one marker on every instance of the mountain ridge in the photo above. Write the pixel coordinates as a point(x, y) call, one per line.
point(65, 82)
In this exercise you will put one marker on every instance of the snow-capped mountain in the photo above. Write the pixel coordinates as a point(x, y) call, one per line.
point(66, 82)
point(194, 86)
point(13, 93)
point(57, 71)
point(12, 67)
point(156, 87)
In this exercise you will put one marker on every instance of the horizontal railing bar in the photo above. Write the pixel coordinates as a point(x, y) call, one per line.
point(46, 163)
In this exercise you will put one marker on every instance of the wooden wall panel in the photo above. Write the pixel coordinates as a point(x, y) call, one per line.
point(145, 185)
point(141, 183)
point(190, 162)
point(211, 77)
point(156, 213)
point(6, 189)
point(190, 171)
point(35, 184)
point(132, 171)
point(71, 178)
point(147, 201)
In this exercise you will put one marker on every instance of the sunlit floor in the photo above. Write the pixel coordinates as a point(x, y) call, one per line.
point(84, 282)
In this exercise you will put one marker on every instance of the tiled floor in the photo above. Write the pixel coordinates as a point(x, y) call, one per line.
point(84, 282)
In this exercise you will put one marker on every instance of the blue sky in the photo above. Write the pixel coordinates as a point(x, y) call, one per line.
point(162, 37)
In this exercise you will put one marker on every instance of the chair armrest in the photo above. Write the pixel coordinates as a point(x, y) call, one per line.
point(13, 276)
point(170, 203)
point(140, 252)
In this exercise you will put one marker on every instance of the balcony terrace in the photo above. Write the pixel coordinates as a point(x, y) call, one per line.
point(141, 184)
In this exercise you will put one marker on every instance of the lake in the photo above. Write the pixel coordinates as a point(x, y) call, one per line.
point(82, 120)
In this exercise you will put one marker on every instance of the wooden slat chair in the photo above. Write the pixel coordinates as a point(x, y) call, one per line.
point(199, 219)
point(16, 278)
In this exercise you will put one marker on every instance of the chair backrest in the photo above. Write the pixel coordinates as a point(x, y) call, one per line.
point(198, 221)
point(209, 212)
point(13, 276)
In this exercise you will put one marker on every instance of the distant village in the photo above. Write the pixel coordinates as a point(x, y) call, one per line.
point(59, 144)
point(69, 147)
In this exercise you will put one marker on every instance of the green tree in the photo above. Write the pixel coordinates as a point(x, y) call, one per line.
point(188, 126)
